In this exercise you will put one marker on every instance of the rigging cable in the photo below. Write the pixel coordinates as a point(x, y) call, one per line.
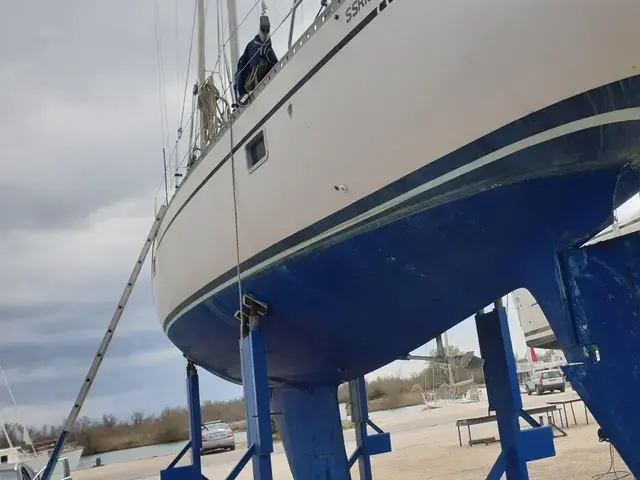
point(223, 52)
point(174, 152)
point(186, 82)
point(259, 51)
point(222, 49)
point(164, 123)
point(323, 5)
point(235, 215)
point(178, 52)
point(235, 31)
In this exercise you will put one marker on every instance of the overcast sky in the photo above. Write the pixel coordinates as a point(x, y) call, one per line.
point(81, 140)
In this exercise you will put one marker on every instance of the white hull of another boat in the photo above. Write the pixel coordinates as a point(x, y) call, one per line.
point(366, 99)
point(38, 462)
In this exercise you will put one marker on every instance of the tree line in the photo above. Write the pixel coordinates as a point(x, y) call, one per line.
point(139, 429)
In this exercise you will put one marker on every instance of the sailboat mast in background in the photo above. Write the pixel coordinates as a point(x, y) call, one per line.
point(6, 434)
point(25, 431)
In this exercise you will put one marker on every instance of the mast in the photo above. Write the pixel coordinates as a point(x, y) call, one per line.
point(6, 434)
point(201, 72)
point(446, 354)
point(233, 39)
point(4, 428)
point(15, 406)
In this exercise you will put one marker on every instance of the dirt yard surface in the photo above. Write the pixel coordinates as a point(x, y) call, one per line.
point(425, 446)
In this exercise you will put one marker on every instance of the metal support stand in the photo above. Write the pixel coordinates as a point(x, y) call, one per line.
point(518, 447)
point(367, 445)
point(195, 417)
point(256, 391)
point(193, 471)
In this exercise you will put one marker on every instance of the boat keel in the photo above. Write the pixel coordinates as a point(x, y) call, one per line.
point(310, 428)
point(602, 284)
point(593, 306)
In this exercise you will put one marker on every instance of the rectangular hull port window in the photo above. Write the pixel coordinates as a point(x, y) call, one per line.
point(256, 151)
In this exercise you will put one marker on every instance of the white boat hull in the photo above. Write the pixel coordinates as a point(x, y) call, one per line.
point(405, 149)
point(422, 80)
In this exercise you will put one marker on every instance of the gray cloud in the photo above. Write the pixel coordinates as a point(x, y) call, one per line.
point(80, 121)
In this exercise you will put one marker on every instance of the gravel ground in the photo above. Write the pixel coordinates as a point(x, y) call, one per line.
point(425, 446)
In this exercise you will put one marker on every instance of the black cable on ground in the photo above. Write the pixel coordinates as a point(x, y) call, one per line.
point(611, 473)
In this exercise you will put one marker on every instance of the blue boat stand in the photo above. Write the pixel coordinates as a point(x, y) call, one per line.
point(193, 471)
point(366, 445)
point(309, 421)
point(503, 393)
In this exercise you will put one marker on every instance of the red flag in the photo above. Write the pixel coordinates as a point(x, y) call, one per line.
point(534, 357)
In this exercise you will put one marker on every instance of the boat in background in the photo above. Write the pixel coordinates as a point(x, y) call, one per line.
point(35, 454)
point(71, 451)
point(37, 461)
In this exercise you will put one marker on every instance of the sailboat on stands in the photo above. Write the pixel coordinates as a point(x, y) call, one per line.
point(402, 165)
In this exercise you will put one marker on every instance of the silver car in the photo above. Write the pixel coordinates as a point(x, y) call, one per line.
point(217, 435)
point(22, 471)
point(16, 471)
point(546, 381)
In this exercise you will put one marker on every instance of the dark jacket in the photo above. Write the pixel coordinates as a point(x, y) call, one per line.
point(256, 55)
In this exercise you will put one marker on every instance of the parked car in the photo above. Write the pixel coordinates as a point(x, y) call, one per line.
point(546, 381)
point(22, 471)
point(217, 435)
point(16, 471)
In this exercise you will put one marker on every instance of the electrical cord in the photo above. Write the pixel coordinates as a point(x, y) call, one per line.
point(611, 473)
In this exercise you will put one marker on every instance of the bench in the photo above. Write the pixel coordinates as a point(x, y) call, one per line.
point(549, 410)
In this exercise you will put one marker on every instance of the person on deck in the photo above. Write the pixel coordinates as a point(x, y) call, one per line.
point(257, 60)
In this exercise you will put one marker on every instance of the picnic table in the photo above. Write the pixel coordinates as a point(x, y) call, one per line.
point(549, 410)
point(571, 401)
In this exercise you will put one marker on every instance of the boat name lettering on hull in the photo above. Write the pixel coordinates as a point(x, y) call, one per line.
point(355, 8)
